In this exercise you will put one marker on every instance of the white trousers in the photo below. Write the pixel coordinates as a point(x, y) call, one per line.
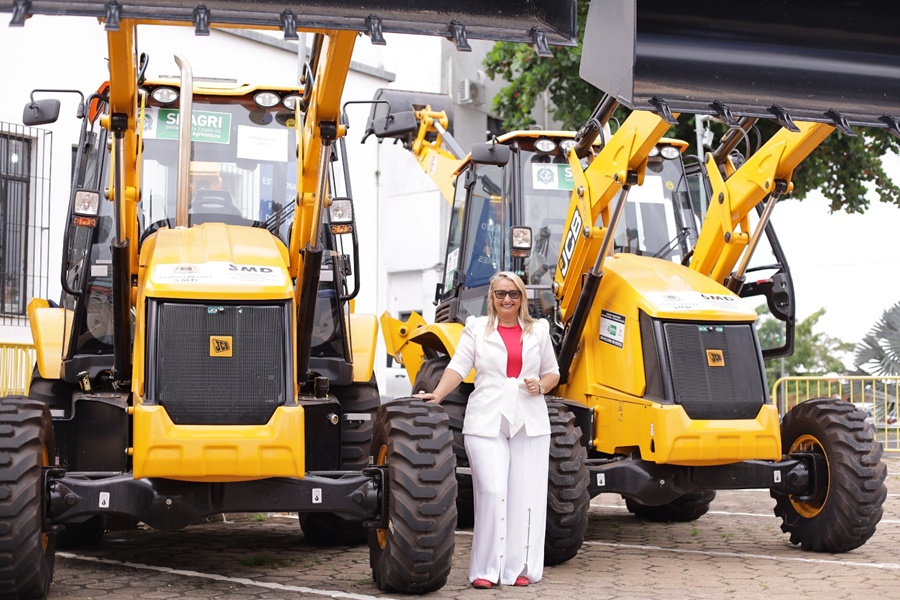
point(509, 475)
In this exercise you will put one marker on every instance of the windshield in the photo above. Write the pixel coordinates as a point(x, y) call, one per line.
point(547, 184)
point(658, 219)
point(242, 169)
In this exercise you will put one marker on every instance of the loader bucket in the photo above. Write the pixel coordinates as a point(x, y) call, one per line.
point(535, 21)
point(815, 60)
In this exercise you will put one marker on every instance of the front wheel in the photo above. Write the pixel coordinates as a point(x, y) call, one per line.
point(842, 515)
point(414, 552)
point(26, 550)
point(568, 499)
point(454, 405)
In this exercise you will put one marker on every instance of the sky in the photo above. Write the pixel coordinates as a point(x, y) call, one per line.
point(847, 264)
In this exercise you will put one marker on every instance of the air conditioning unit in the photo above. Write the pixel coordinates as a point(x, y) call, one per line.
point(469, 91)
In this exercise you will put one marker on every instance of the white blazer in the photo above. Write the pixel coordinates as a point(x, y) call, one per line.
point(495, 394)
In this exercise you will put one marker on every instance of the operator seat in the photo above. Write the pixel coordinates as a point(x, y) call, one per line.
point(215, 206)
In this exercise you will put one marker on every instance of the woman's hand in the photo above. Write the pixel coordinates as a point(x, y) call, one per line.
point(533, 385)
point(428, 397)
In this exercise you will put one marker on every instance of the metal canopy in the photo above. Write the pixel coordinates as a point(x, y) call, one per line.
point(816, 60)
point(532, 21)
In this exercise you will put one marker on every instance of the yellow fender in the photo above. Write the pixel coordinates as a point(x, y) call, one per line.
point(364, 337)
point(406, 341)
point(50, 329)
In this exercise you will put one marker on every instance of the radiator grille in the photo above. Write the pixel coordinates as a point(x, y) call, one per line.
point(199, 384)
point(734, 390)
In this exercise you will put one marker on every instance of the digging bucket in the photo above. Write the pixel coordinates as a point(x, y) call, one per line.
point(815, 60)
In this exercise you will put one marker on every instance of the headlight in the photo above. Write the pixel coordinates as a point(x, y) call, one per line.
point(340, 215)
point(520, 241)
point(164, 95)
point(290, 102)
point(87, 203)
point(566, 146)
point(266, 99)
point(669, 152)
point(545, 146)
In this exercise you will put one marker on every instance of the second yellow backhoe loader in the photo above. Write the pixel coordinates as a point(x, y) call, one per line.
point(204, 357)
point(642, 265)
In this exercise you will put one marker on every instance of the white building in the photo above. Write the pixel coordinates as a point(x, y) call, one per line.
point(401, 216)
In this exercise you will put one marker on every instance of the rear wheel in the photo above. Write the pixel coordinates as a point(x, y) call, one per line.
point(689, 507)
point(26, 550)
point(455, 406)
point(843, 514)
point(568, 498)
point(414, 552)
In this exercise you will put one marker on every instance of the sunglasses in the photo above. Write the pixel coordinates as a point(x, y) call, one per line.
point(501, 294)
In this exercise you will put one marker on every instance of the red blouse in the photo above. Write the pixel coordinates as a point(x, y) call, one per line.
point(512, 338)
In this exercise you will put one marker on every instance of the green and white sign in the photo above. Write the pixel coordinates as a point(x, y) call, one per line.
point(206, 126)
point(549, 176)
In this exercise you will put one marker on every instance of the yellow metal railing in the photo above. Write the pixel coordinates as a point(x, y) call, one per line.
point(879, 397)
point(16, 364)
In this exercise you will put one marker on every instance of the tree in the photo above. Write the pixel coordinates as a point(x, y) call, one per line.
point(879, 352)
point(842, 167)
point(815, 353)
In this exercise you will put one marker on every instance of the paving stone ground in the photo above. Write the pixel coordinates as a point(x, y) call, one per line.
point(736, 551)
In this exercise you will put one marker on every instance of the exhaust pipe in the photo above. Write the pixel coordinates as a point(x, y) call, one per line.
point(185, 121)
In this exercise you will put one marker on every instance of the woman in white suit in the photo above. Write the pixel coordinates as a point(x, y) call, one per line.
point(507, 433)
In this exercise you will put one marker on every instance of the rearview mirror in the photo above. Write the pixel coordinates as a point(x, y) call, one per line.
point(490, 154)
point(41, 112)
point(395, 125)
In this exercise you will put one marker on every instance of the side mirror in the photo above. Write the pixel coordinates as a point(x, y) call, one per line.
point(41, 112)
point(395, 125)
point(490, 154)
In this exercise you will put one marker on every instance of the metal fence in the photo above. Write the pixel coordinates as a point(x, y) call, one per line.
point(878, 397)
point(16, 364)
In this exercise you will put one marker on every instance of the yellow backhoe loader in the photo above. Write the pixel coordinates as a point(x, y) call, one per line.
point(642, 263)
point(204, 357)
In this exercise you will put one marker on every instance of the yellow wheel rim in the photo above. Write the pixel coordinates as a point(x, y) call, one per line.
point(809, 444)
point(381, 534)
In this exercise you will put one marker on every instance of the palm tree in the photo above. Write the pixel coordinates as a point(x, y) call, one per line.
point(879, 352)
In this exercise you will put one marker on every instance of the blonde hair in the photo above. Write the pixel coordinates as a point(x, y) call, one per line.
point(524, 317)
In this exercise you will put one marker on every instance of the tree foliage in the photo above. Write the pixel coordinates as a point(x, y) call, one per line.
point(842, 167)
point(815, 353)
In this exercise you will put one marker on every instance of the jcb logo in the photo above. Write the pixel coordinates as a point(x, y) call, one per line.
point(569, 244)
point(220, 346)
point(715, 358)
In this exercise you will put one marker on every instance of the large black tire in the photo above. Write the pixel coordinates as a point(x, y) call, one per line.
point(360, 399)
point(455, 406)
point(26, 446)
point(413, 554)
point(568, 499)
point(844, 515)
point(689, 507)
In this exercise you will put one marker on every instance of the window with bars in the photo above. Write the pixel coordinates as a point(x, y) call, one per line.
point(24, 215)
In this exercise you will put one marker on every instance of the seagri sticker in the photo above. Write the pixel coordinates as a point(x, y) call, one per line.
point(612, 328)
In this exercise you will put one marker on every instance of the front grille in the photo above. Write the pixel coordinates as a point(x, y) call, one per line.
point(197, 381)
point(734, 390)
